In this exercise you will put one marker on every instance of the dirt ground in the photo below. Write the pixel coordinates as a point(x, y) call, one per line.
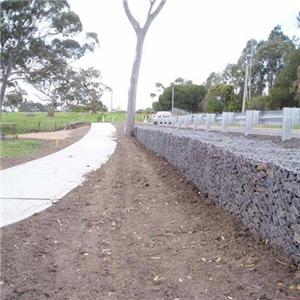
point(51, 142)
point(135, 229)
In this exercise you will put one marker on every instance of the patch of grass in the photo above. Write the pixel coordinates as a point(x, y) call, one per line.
point(269, 126)
point(35, 122)
point(18, 148)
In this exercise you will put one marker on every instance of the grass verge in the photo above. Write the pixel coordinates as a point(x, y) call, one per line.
point(17, 148)
point(35, 122)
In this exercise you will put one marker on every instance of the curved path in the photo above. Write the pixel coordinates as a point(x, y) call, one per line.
point(31, 187)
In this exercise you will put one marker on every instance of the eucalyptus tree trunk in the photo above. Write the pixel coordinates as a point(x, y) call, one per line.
point(2, 93)
point(3, 85)
point(140, 36)
point(131, 105)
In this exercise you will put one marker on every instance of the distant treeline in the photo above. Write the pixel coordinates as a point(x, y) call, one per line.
point(273, 80)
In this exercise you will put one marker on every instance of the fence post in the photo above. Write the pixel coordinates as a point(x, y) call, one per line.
point(189, 120)
point(249, 122)
point(287, 123)
point(255, 117)
point(295, 116)
point(227, 118)
point(209, 120)
point(225, 122)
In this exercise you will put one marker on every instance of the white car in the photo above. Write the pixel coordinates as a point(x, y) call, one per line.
point(161, 117)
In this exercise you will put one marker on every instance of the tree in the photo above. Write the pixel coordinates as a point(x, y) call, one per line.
point(272, 55)
point(296, 87)
point(153, 10)
point(32, 107)
point(188, 96)
point(179, 80)
point(36, 41)
point(74, 88)
point(213, 79)
point(14, 98)
point(159, 86)
point(286, 90)
point(220, 98)
point(233, 74)
point(152, 95)
point(259, 103)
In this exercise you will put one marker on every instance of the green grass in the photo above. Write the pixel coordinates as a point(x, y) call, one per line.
point(16, 148)
point(266, 126)
point(34, 122)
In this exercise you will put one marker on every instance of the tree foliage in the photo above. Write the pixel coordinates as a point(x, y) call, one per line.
point(273, 54)
point(14, 99)
point(259, 103)
point(37, 41)
point(74, 88)
point(220, 98)
point(32, 107)
point(187, 96)
point(286, 90)
point(273, 71)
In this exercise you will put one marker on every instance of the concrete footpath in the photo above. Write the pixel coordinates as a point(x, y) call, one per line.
point(33, 186)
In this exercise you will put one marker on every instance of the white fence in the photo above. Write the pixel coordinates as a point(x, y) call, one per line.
point(285, 123)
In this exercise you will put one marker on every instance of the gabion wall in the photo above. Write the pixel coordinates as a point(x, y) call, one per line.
point(259, 181)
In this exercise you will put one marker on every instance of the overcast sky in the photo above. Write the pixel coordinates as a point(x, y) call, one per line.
point(189, 39)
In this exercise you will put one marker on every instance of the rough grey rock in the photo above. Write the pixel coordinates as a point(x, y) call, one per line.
point(257, 180)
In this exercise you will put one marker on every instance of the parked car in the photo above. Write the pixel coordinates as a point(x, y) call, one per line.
point(161, 118)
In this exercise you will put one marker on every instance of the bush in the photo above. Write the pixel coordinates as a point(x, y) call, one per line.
point(259, 103)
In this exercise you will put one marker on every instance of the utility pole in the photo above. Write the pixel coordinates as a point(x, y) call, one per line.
point(245, 94)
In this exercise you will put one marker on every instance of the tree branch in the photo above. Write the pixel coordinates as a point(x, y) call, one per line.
point(131, 18)
point(151, 15)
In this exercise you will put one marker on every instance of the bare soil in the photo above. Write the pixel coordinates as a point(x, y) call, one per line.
point(135, 229)
point(50, 143)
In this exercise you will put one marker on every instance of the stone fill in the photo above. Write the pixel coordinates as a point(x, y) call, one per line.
point(257, 180)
